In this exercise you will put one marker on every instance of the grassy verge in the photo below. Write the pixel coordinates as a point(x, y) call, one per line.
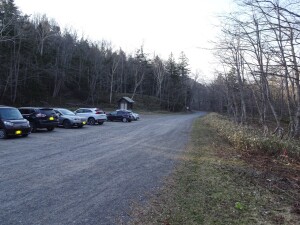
point(214, 185)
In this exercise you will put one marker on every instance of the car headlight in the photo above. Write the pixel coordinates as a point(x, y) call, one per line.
point(6, 123)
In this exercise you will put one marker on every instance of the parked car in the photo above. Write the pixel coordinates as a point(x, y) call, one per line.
point(40, 117)
point(136, 116)
point(120, 115)
point(92, 115)
point(12, 123)
point(68, 119)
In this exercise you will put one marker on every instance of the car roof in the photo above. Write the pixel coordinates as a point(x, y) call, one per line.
point(91, 108)
point(124, 110)
point(7, 107)
point(61, 109)
point(32, 107)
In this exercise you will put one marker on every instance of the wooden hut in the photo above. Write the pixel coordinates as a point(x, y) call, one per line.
point(125, 103)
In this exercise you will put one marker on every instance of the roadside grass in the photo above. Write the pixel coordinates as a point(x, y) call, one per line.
point(214, 185)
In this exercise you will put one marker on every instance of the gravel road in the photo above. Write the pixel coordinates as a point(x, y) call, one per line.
point(88, 175)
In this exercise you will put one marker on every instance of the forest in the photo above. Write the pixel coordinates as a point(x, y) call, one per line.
point(257, 77)
point(41, 62)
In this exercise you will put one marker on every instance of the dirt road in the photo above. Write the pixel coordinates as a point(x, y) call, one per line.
point(88, 175)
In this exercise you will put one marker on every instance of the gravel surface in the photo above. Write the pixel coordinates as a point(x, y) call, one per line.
point(88, 175)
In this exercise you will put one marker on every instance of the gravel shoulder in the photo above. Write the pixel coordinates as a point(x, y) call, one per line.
point(88, 175)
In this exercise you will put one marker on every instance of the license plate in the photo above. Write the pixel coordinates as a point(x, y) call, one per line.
point(51, 118)
point(18, 132)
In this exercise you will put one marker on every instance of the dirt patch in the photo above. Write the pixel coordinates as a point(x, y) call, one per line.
point(279, 175)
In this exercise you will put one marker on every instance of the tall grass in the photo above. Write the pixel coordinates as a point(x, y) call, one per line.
point(247, 138)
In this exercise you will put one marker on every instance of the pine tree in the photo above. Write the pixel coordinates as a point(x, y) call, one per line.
point(183, 65)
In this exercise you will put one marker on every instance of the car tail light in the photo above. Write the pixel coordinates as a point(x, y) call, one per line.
point(41, 115)
point(100, 112)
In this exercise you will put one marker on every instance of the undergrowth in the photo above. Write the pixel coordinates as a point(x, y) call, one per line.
point(251, 139)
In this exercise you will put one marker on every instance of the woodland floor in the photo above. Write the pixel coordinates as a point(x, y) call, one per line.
point(279, 175)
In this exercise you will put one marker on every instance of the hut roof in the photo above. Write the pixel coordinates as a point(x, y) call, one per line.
point(127, 99)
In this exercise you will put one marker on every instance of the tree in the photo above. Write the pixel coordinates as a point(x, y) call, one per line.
point(159, 73)
point(140, 66)
point(45, 29)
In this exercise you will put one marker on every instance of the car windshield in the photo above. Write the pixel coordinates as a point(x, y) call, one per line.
point(66, 112)
point(10, 114)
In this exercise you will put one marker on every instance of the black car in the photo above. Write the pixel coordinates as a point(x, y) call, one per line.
point(40, 117)
point(120, 115)
point(12, 123)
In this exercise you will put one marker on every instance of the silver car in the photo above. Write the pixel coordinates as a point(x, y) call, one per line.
point(136, 116)
point(68, 119)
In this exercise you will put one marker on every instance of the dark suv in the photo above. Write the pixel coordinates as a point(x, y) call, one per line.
point(120, 115)
point(40, 117)
point(12, 123)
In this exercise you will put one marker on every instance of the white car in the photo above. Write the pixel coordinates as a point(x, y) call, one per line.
point(136, 116)
point(93, 115)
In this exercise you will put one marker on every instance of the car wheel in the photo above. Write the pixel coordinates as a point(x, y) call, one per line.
point(124, 120)
point(32, 127)
point(67, 124)
point(3, 134)
point(100, 123)
point(50, 128)
point(80, 126)
point(91, 121)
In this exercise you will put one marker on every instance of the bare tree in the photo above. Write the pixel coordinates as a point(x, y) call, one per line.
point(159, 73)
point(115, 60)
point(45, 29)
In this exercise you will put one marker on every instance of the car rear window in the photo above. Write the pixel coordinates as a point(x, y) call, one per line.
point(25, 111)
point(99, 111)
point(47, 111)
point(10, 114)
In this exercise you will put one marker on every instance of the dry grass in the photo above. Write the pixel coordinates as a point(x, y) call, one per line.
point(214, 185)
point(247, 138)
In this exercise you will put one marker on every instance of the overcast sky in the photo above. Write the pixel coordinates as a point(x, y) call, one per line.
point(161, 26)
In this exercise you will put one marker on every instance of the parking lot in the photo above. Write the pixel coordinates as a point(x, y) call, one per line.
point(88, 175)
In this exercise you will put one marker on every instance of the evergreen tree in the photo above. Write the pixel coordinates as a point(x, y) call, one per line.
point(183, 65)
